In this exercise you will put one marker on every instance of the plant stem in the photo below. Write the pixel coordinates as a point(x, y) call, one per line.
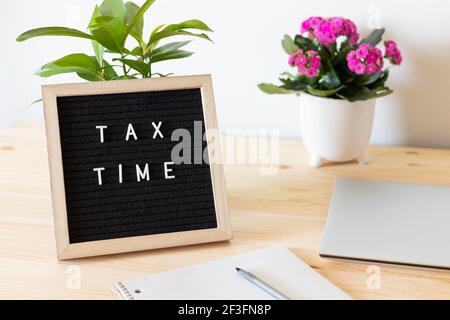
point(149, 67)
point(124, 68)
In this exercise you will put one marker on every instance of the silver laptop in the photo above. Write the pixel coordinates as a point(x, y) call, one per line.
point(388, 222)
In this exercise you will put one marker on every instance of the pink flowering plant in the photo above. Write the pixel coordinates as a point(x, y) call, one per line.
point(331, 61)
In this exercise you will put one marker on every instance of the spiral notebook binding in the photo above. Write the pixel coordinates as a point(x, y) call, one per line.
point(121, 292)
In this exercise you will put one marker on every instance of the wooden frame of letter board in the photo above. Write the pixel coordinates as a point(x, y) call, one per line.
point(66, 250)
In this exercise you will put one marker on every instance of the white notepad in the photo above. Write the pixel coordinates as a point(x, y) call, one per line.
point(218, 280)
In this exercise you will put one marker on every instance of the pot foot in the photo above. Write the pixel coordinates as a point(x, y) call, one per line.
point(316, 160)
point(364, 159)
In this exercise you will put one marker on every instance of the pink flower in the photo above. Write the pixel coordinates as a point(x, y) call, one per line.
point(392, 52)
point(352, 63)
point(311, 24)
point(371, 68)
point(302, 70)
point(308, 63)
point(315, 62)
point(311, 53)
point(371, 57)
point(363, 51)
point(291, 60)
point(301, 60)
point(311, 73)
point(293, 57)
point(354, 39)
point(351, 55)
point(397, 58)
point(366, 59)
point(390, 44)
point(360, 68)
point(327, 30)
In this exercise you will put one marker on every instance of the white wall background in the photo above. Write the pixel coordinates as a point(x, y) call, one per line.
point(247, 51)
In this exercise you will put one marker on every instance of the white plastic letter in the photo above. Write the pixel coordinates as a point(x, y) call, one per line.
point(168, 170)
point(102, 132)
point(142, 175)
point(157, 130)
point(130, 132)
point(99, 172)
point(120, 174)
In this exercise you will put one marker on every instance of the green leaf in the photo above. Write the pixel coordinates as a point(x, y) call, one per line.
point(332, 50)
point(304, 43)
point(296, 83)
point(98, 48)
point(171, 55)
point(361, 93)
point(114, 8)
point(375, 37)
point(158, 28)
point(344, 49)
point(108, 71)
point(52, 31)
point(289, 75)
point(79, 63)
point(330, 81)
point(161, 75)
point(137, 51)
point(99, 51)
point(124, 51)
point(125, 77)
point(323, 93)
point(289, 45)
point(380, 81)
point(382, 92)
point(189, 24)
point(109, 32)
point(92, 77)
point(96, 14)
point(367, 79)
point(134, 22)
point(170, 47)
point(326, 57)
point(35, 101)
point(99, 21)
point(273, 89)
point(150, 46)
point(142, 44)
point(166, 34)
point(135, 18)
point(89, 77)
point(141, 67)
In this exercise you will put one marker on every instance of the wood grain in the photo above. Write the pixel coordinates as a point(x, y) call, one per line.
point(287, 208)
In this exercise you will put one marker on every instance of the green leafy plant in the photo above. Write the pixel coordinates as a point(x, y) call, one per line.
point(332, 62)
point(112, 24)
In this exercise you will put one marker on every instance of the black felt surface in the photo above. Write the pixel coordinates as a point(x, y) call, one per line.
point(133, 208)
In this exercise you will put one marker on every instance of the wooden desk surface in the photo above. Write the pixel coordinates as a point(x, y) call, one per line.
point(288, 208)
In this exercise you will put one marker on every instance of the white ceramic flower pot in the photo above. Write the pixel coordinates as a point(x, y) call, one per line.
point(336, 130)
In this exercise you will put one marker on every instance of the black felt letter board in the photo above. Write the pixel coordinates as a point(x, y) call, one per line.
point(118, 210)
